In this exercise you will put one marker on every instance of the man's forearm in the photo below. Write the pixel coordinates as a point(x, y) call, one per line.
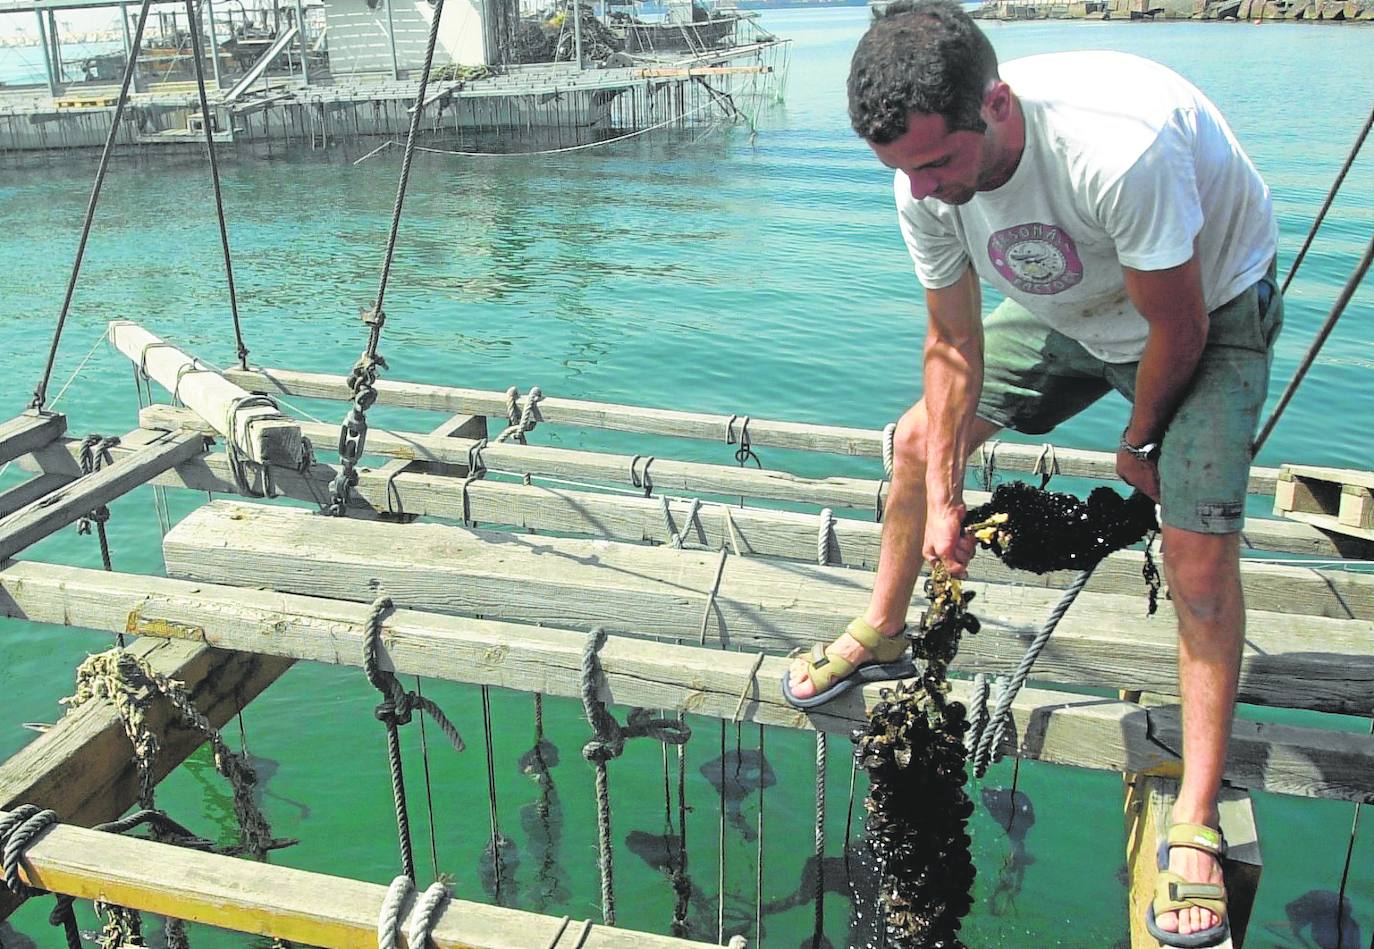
point(1165, 372)
point(953, 382)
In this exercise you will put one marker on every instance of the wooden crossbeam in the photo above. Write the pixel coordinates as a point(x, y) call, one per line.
point(1058, 727)
point(1104, 640)
point(29, 431)
point(1008, 456)
point(83, 766)
point(262, 432)
point(307, 908)
point(665, 474)
point(764, 532)
point(61, 507)
point(677, 477)
point(25, 493)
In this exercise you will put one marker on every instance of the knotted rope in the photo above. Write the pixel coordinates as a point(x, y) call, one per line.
point(394, 710)
point(675, 536)
point(521, 421)
point(419, 925)
point(95, 454)
point(745, 452)
point(607, 742)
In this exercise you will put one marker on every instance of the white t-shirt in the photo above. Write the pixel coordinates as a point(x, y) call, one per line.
point(1125, 164)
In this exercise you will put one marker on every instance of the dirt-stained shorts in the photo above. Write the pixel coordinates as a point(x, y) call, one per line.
point(1034, 378)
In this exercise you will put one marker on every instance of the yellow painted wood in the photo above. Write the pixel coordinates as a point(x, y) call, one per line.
point(261, 899)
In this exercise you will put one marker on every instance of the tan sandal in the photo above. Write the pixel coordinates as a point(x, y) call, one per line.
point(1173, 893)
point(832, 674)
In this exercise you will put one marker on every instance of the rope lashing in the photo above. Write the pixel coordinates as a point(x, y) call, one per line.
point(523, 420)
point(889, 448)
point(477, 470)
point(1046, 464)
point(607, 742)
point(394, 710)
point(711, 596)
point(95, 454)
point(745, 452)
point(749, 684)
point(642, 479)
point(825, 536)
point(18, 830)
point(40, 393)
point(675, 536)
point(389, 917)
point(185, 369)
point(236, 453)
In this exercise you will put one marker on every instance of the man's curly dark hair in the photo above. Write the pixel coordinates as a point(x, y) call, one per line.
point(919, 56)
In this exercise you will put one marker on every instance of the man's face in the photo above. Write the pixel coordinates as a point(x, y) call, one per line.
point(948, 166)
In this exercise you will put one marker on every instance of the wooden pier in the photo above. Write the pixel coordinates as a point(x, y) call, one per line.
point(527, 547)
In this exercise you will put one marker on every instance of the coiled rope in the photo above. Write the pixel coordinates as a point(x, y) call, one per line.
point(394, 710)
point(607, 742)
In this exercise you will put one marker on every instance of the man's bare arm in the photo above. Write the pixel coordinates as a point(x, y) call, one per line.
point(953, 380)
point(1172, 303)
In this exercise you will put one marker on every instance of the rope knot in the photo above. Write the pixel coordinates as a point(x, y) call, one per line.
point(18, 830)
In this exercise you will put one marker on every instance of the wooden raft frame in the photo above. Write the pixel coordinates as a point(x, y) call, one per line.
point(1309, 632)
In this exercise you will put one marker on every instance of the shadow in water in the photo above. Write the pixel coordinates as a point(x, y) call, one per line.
point(9, 939)
point(742, 771)
point(1014, 813)
point(542, 822)
point(1315, 919)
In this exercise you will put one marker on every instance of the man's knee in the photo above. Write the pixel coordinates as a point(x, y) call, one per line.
point(1203, 571)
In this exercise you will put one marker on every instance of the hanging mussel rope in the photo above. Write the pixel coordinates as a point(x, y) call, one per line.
point(913, 746)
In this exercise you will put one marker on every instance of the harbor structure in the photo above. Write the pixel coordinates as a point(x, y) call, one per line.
point(352, 72)
point(1308, 11)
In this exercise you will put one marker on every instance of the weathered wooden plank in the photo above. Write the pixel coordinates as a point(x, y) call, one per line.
point(1104, 641)
point(61, 507)
point(262, 433)
point(1269, 534)
point(1058, 727)
point(664, 474)
point(303, 907)
point(82, 767)
point(1009, 456)
point(1283, 588)
point(24, 494)
point(1149, 805)
point(28, 432)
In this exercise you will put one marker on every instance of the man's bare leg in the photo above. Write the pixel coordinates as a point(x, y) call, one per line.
point(904, 523)
point(1204, 583)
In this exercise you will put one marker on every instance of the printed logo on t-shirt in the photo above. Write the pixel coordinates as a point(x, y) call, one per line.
point(1036, 258)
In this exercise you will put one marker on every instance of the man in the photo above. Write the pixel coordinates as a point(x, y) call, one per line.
point(1109, 202)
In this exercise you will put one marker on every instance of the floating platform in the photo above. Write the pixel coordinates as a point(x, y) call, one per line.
point(703, 592)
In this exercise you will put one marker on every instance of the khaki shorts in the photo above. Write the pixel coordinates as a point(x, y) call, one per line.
point(1034, 378)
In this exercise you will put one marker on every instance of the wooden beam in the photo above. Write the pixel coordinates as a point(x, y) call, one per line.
point(262, 433)
point(666, 474)
point(28, 432)
point(307, 908)
point(763, 532)
point(1105, 641)
point(65, 505)
point(1149, 807)
point(25, 493)
point(82, 767)
point(471, 427)
point(1009, 456)
point(1058, 727)
point(669, 72)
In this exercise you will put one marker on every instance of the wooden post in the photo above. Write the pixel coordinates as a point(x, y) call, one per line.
point(56, 510)
point(307, 908)
point(263, 434)
point(29, 432)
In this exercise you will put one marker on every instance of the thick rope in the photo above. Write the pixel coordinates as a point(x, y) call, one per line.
point(19, 829)
point(991, 737)
point(607, 742)
point(818, 930)
point(678, 537)
point(40, 394)
point(825, 536)
point(394, 710)
point(978, 705)
point(389, 918)
point(428, 908)
point(1330, 197)
point(521, 421)
point(889, 449)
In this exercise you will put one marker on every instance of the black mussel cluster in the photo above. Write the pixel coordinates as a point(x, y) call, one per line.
point(913, 751)
point(1032, 529)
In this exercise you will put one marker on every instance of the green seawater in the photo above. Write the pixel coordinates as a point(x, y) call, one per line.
point(708, 272)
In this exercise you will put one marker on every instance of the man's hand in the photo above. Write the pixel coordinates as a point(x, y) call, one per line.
point(946, 540)
point(1138, 473)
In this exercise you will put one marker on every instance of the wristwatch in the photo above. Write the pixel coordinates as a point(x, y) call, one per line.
point(1146, 452)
